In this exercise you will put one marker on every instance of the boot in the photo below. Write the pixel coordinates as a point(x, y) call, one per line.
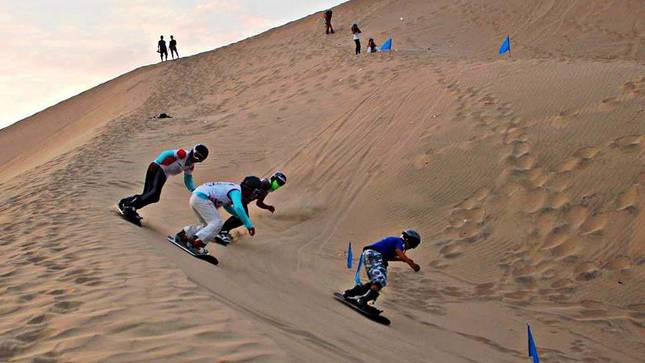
point(198, 247)
point(371, 295)
point(224, 237)
point(357, 290)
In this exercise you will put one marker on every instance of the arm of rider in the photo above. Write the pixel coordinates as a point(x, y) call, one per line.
point(239, 212)
point(260, 203)
point(188, 182)
point(402, 257)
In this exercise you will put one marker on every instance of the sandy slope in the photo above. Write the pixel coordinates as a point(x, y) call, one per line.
point(525, 175)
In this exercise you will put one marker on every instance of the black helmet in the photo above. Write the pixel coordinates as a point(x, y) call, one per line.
point(411, 237)
point(280, 177)
point(200, 152)
point(251, 185)
point(277, 180)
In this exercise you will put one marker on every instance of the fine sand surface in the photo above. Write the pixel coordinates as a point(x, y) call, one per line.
point(524, 174)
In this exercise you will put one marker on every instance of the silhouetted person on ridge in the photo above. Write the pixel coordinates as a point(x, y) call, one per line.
point(161, 49)
point(173, 48)
point(328, 27)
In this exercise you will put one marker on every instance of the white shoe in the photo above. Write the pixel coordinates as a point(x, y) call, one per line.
point(225, 237)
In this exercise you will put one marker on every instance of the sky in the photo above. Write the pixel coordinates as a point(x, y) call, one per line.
point(55, 49)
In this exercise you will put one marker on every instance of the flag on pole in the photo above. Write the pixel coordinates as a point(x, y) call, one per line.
point(350, 256)
point(506, 46)
point(532, 349)
point(357, 276)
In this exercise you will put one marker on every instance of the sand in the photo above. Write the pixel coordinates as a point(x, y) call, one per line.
point(524, 174)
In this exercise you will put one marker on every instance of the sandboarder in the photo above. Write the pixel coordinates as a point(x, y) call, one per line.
point(269, 185)
point(205, 202)
point(169, 162)
point(376, 257)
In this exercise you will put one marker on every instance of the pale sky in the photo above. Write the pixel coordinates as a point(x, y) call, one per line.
point(55, 49)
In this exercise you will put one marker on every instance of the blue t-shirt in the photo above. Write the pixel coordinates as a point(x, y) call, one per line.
point(388, 246)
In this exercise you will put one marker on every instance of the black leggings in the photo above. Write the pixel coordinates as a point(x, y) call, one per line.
point(358, 46)
point(155, 179)
point(234, 222)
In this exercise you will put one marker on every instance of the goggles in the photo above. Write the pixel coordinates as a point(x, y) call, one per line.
point(276, 184)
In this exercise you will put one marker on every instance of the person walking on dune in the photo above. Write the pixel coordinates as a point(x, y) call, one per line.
point(357, 37)
point(205, 202)
point(376, 257)
point(169, 162)
point(173, 48)
point(328, 27)
point(161, 49)
point(272, 184)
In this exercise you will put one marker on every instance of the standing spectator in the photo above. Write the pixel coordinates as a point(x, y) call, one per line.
point(371, 46)
point(161, 49)
point(173, 48)
point(328, 26)
point(357, 38)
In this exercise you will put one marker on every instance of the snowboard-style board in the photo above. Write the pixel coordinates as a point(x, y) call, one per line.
point(132, 219)
point(208, 258)
point(369, 312)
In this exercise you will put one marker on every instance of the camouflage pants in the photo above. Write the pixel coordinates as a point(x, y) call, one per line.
point(375, 267)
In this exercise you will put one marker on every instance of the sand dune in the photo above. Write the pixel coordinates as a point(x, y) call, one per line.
point(525, 175)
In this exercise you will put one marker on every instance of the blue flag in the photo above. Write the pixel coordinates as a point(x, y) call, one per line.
point(532, 349)
point(357, 276)
point(506, 46)
point(387, 46)
point(350, 256)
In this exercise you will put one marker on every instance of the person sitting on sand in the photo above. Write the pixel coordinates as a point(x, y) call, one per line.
point(205, 202)
point(371, 46)
point(376, 257)
point(272, 184)
point(357, 37)
point(169, 162)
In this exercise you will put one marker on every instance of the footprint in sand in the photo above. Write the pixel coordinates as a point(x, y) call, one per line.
point(64, 307)
point(451, 251)
point(619, 263)
point(595, 224)
point(576, 216)
point(628, 143)
point(564, 118)
point(628, 200)
point(587, 271)
point(609, 104)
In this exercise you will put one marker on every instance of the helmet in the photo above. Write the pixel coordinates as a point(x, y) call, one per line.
point(251, 185)
point(200, 152)
point(266, 184)
point(277, 180)
point(411, 237)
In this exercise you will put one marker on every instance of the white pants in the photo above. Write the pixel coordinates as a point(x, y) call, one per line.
point(211, 222)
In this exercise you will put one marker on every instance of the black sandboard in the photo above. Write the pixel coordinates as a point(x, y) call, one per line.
point(369, 312)
point(208, 258)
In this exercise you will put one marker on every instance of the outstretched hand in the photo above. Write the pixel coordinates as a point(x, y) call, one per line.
point(252, 231)
point(271, 208)
point(415, 267)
